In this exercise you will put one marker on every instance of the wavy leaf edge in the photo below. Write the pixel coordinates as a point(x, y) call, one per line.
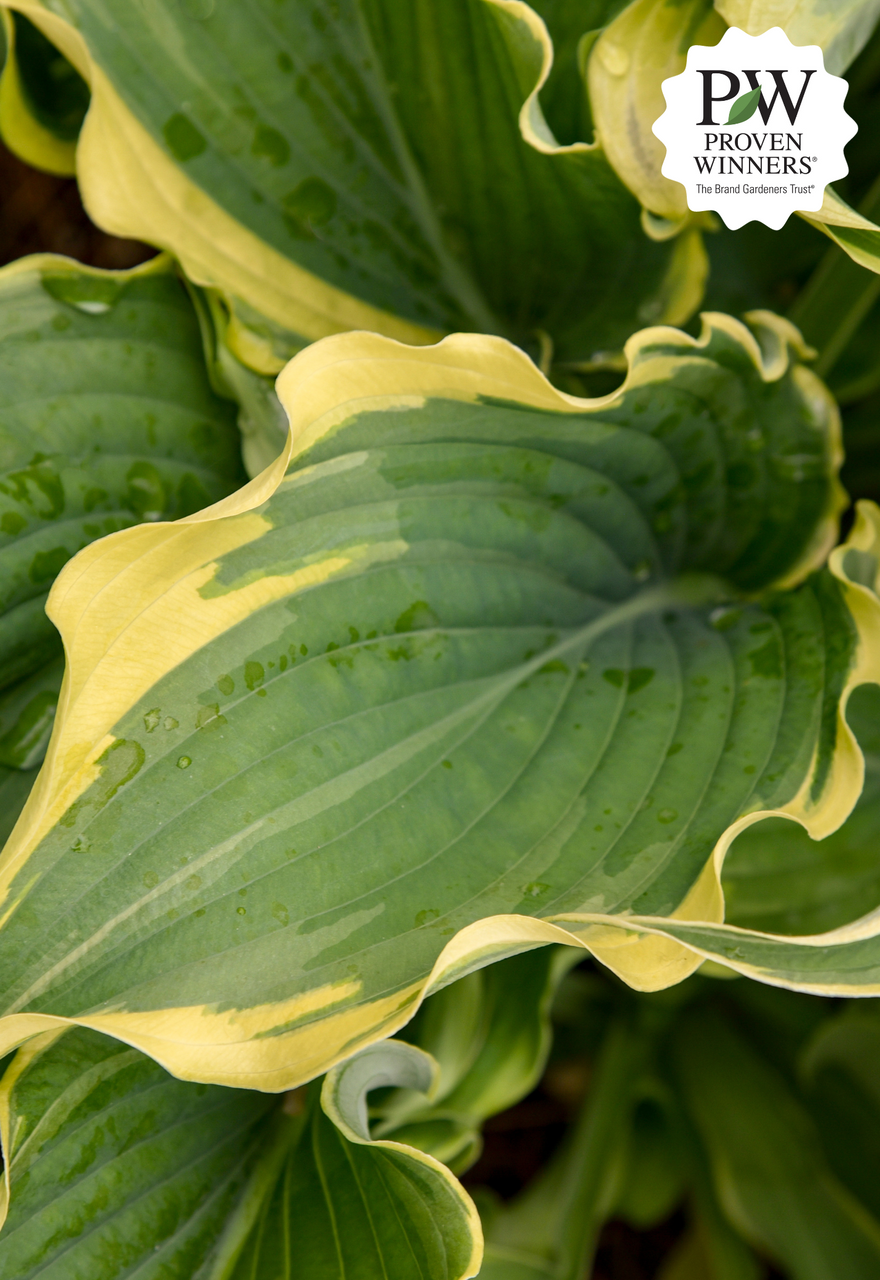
point(644, 951)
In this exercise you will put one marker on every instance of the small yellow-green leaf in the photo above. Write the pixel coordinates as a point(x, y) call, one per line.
point(841, 28)
point(643, 46)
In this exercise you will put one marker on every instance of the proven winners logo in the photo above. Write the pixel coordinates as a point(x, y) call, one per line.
point(754, 128)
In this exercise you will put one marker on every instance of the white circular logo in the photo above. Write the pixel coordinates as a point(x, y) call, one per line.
point(754, 128)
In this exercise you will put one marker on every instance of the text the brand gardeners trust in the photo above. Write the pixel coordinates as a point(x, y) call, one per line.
point(754, 128)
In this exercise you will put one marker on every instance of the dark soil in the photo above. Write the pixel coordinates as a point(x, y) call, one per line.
point(40, 213)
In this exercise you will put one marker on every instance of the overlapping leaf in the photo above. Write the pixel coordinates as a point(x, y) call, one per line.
point(443, 673)
point(842, 29)
point(113, 1167)
point(106, 419)
point(43, 99)
point(648, 42)
point(346, 1204)
point(778, 880)
point(361, 166)
point(645, 45)
point(490, 1036)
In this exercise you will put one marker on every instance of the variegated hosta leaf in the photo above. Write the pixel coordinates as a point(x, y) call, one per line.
point(442, 674)
point(779, 880)
point(361, 165)
point(573, 26)
point(842, 28)
point(856, 235)
point(338, 1203)
point(490, 1036)
point(113, 1167)
point(643, 46)
point(43, 99)
point(106, 419)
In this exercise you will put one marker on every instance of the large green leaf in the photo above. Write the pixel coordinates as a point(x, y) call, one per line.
point(114, 1167)
point(443, 673)
point(106, 419)
point(361, 165)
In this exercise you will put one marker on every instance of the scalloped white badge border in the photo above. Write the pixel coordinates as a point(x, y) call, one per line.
point(822, 127)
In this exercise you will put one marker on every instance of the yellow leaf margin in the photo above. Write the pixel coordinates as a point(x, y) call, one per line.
point(20, 130)
point(110, 599)
point(131, 188)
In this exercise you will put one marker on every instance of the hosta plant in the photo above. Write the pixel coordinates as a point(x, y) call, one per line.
point(532, 642)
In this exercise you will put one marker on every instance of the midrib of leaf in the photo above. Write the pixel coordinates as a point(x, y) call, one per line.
point(66, 1101)
point(456, 279)
point(652, 600)
point(249, 1211)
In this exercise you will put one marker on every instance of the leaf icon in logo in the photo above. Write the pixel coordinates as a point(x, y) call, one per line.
point(745, 107)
